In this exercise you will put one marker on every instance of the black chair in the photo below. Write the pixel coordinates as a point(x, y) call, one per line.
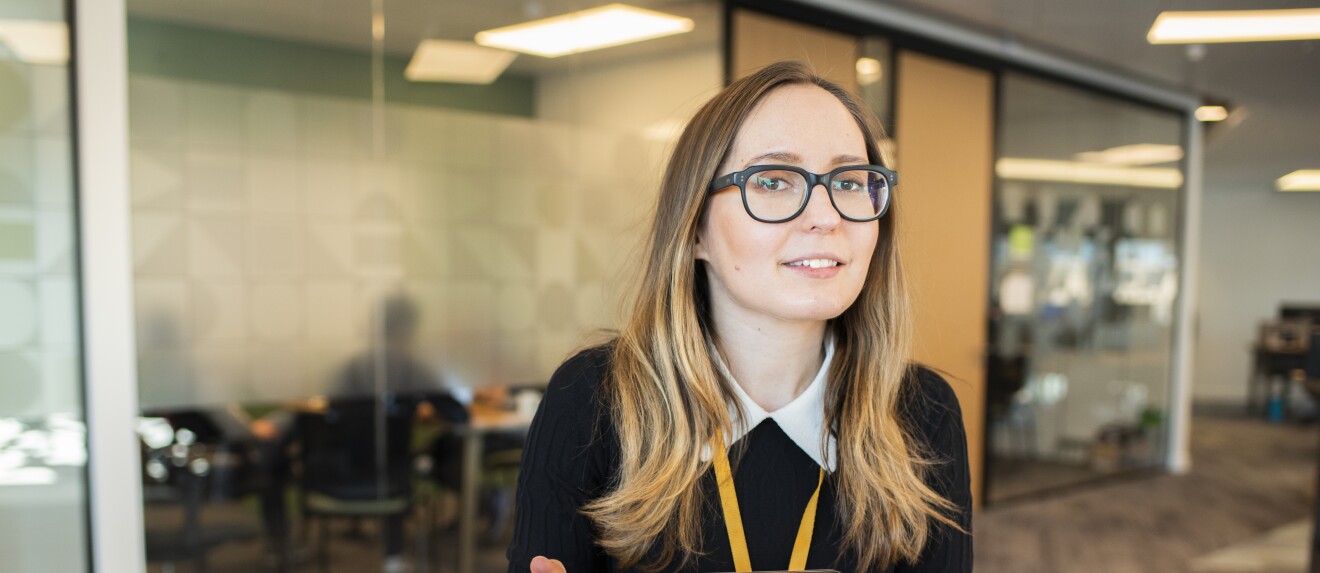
point(1311, 366)
point(351, 470)
point(1313, 357)
point(182, 476)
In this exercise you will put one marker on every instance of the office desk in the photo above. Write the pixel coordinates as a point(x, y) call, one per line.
point(485, 420)
point(1271, 367)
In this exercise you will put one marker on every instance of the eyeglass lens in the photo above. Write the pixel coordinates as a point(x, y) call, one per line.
point(779, 194)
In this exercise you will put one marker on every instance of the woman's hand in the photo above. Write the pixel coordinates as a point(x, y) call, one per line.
point(543, 565)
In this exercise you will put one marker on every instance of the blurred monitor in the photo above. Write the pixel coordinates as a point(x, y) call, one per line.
point(1309, 312)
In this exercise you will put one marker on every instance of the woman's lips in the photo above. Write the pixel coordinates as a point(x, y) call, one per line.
point(817, 268)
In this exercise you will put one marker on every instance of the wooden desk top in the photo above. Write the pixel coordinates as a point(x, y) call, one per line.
point(484, 418)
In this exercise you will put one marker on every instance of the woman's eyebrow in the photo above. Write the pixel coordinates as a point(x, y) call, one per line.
point(795, 159)
point(779, 156)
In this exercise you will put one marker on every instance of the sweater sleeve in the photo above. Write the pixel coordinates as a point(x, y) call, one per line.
point(565, 463)
point(947, 549)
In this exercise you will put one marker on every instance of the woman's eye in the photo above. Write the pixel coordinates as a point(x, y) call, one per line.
point(847, 186)
point(769, 183)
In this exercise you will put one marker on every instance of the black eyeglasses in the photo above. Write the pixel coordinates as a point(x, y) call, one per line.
point(779, 193)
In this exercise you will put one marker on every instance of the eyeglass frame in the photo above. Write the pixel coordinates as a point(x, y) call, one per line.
point(739, 179)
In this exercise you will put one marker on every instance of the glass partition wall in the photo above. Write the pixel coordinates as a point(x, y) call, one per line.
point(43, 437)
point(1084, 276)
point(348, 255)
point(363, 240)
point(1064, 367)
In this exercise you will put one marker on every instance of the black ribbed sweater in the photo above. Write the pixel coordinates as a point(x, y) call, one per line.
point(572, 453)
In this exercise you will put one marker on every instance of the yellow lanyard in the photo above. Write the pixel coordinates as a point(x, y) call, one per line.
point(742, 560)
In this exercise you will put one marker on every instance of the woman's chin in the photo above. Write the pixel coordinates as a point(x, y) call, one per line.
point(816, 311)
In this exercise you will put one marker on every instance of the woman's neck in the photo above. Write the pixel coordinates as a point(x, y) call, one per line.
point(772, 360)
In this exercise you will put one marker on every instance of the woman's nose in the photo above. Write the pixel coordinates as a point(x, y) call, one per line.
point(820, 212)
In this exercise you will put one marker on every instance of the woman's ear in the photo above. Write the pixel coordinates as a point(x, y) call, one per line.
point(699, 248)
point(698, 245)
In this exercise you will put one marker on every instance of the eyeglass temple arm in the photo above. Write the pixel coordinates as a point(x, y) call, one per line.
point(725, 181)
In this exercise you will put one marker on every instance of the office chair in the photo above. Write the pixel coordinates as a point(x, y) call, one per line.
point(182, 476)
point(344, 472)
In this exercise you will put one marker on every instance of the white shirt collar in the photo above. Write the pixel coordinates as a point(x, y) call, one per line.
point(802, 419)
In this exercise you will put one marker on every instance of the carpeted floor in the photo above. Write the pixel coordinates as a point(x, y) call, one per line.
point(1248, 478)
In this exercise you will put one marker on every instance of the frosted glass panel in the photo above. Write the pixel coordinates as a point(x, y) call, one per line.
point(43, 444)
point(1084, 286)
point(309, 227)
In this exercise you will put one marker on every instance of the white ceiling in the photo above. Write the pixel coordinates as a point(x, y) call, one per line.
point(1275, 85)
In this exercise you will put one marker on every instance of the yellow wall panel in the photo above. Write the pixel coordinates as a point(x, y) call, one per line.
point(760, 40)
point(945, 133)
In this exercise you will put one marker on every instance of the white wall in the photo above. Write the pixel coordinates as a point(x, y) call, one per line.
point(1259, 248)
point(651, 96)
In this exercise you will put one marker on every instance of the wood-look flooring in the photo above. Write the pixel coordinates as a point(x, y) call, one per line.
point(1248, 477)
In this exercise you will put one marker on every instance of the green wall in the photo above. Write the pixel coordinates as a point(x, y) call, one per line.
point(213, 55)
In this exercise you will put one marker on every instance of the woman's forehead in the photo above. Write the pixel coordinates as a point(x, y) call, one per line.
point(798, 121)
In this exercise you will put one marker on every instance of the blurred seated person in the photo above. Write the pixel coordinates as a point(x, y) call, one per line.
point(395, 358)
point(392, 367)
point(389, 368)
point(441, 399)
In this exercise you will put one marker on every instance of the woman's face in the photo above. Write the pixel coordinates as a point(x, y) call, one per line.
point(767, 269)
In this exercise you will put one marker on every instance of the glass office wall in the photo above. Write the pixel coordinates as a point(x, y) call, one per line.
point(320, 218)
point(1083, 285)
point(876, 73)
point(1082, 191)
point(316, 222)
point(43, 444)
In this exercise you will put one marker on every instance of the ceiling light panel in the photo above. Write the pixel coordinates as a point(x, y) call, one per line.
point(1211, 113)
point(1300, 180)
point(36, 41)
point(457, 62)
point(586, 30)
point(1235, 26)
point(1027, 169)
point(1135, 154)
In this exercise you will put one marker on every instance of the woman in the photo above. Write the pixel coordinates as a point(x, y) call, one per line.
point(758, 411)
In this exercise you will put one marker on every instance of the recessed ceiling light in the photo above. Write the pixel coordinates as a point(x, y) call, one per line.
point(1211, 113)
point(869, 71)
point(586, 30)
point(1135, 154)
point(1300, 180)
point(36, 41)
point(457, 62)
point(1088, 173)
point(1235, 26)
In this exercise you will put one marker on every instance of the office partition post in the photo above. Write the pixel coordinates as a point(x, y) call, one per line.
point(99, 40)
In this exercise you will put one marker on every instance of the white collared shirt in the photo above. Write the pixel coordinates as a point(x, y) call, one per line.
point(802, 419)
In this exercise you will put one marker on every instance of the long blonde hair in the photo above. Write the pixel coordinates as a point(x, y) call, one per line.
point(667, 400)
